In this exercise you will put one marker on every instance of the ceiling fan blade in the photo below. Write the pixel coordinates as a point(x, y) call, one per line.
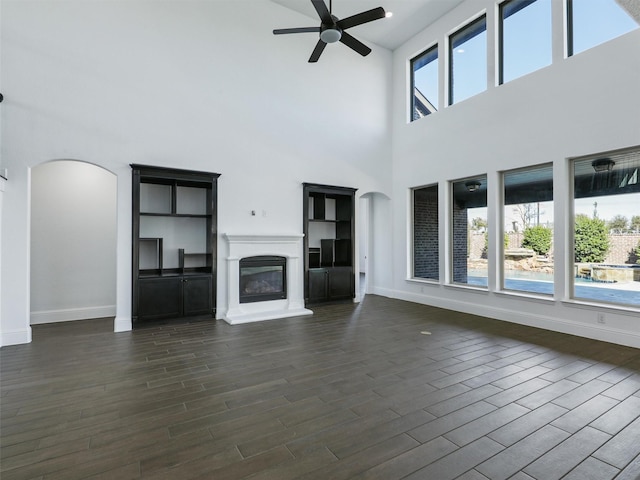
point(323, 12)
point(355, 44)
point(360, 18)
point(315, 55)
point(281, 31)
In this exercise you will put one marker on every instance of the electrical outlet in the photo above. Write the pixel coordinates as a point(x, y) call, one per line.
point(601, 318)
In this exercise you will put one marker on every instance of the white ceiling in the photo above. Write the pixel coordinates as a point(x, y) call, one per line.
point(409, 17)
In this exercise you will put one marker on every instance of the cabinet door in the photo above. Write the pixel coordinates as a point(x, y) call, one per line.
point(159, 297)
point(197, 295)
point(340, 282)
point(318, 284)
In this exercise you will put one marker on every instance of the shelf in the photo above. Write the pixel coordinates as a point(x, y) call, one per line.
point(182, 215)
point(150, 256)
point(158, 274)
point(189, 261)
point(173, 211)
point(328, 242)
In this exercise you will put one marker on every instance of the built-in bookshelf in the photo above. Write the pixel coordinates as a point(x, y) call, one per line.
point(328, 242)
point(174, 242)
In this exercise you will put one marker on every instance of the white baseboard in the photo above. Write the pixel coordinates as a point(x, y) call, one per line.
point(85, 313)
point(595, 332)
point(122, 324)
point(16, 337)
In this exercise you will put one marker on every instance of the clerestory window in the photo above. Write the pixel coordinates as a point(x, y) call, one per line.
point(592, 22)
point(468, 61)
point(424, 83)
point(524, 37)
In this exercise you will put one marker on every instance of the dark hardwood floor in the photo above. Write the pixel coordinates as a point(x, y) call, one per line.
point(352, 392)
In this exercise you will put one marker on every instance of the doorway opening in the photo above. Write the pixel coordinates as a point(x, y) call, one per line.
point(73, 242)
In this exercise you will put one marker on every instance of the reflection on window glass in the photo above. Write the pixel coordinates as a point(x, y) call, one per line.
point(424, 79)
point(425, 233)
point(528, 230)
point(525, 37)
point(468, 61)
point(606, 228)
point(470, 233)
point(592, 22)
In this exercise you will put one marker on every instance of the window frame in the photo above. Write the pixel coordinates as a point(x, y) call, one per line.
point(482, 180)
point(570, 295)
point(500, 35)
point(481, 18)
point(503, 199)
point(412, 86)
point(570, 30)
point(413, 191)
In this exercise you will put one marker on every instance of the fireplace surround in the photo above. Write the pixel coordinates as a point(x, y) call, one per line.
point(288, 247)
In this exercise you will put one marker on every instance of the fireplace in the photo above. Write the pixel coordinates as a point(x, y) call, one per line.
point(263, 278)
point(285, 296)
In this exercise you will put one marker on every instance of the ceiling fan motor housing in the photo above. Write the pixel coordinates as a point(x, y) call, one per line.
point(330, 33)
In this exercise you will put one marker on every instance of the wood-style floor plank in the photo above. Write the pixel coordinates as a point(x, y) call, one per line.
point(355, 391)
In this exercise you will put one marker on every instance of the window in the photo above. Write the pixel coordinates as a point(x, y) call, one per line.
point(425, 233)
point(591, 23)
point(528, 230)
point(469, 235)
point(468, 61)
point(606, 220)
point(525, 37)
point(424, 83)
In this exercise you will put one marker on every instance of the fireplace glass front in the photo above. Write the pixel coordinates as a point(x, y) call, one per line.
point(263, 278)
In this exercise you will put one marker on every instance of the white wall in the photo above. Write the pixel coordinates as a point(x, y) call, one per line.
point(197, 85)
point(585, 104)
point(3, 182)
point(73, 242)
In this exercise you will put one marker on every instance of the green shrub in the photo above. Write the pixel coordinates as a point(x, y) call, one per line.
point(637, 252)
point(538, 239)
point(591, 239)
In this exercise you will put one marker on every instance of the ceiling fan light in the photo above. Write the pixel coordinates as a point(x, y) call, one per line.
point(330, 35)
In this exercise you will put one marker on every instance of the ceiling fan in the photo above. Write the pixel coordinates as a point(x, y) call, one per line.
point(332, 29)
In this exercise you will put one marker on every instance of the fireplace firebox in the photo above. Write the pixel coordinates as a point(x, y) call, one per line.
point(263, 278)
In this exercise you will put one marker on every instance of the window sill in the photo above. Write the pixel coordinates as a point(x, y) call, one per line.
point(545, 299)
point(424, 281)
point(617, 309)
point(468, 288)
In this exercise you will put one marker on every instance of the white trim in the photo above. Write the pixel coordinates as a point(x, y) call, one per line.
point(241, 246)
point(68, 314)
point(596, 332)
point(15, 337)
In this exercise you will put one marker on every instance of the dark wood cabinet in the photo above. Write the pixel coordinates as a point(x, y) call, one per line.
point(328, 243)
point(174, 230)
point(328, 284)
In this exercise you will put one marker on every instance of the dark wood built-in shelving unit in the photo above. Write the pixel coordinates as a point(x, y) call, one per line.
point(328, 243)
point(174, 230)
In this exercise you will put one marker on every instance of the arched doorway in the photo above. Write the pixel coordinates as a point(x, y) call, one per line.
point(73, 242)
point(374, 242)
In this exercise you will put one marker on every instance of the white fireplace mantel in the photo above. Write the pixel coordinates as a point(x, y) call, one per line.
point(242, 246)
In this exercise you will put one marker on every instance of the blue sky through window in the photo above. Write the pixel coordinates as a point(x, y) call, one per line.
point(526, 38)
point(597, 21)
point(425, 77)
point(468, 61)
